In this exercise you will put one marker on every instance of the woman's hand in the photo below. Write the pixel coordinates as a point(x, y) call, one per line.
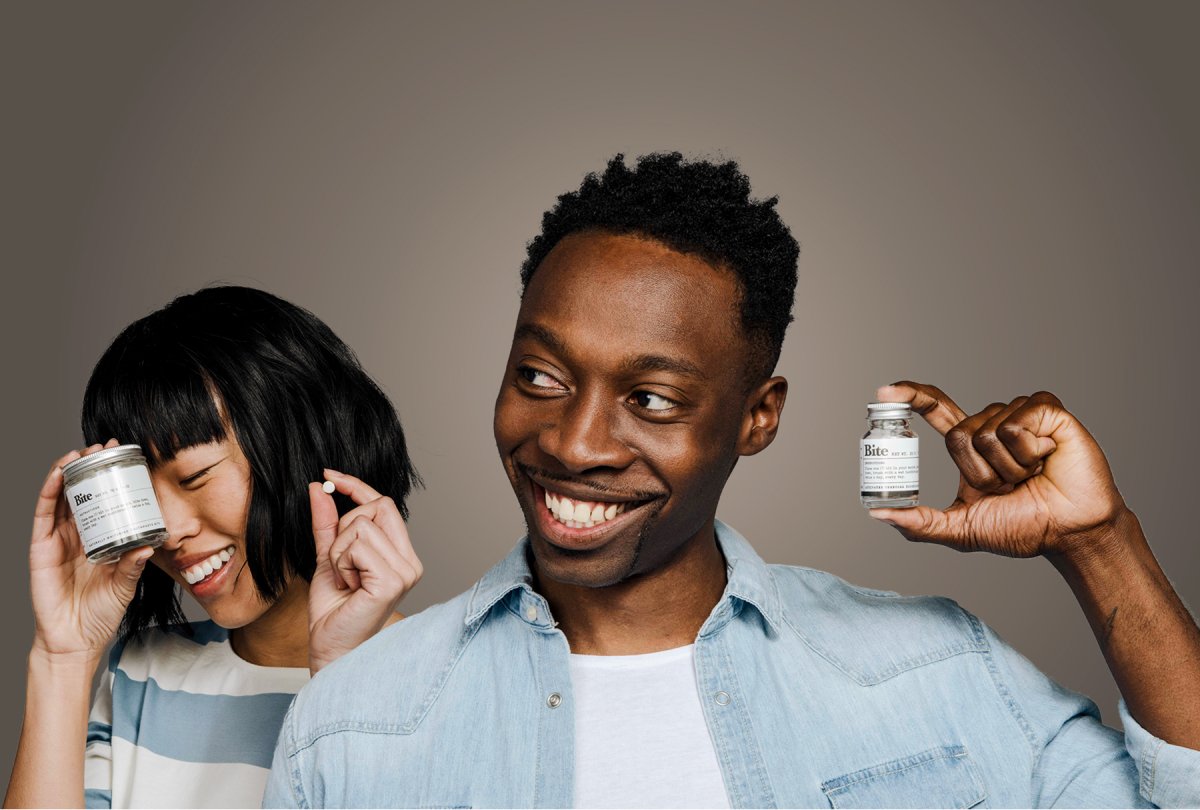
point(365, 565)
point(77, 605)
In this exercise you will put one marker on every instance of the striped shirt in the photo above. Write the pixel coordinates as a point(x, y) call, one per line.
point(184, 722)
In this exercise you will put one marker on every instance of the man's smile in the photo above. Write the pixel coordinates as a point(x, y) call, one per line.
point(580, 517)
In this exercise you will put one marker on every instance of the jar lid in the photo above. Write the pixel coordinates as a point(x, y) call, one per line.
point(889, 410)
point(102, 458)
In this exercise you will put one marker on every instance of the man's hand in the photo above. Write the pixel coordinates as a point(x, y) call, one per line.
point(365, 565)
point(1033, 480)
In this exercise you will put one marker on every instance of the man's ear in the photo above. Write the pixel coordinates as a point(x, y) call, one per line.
point(760, 418)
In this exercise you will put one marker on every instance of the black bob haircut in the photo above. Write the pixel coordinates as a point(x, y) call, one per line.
point(695, 207)
point(234, 360)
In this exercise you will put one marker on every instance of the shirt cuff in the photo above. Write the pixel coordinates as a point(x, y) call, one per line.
point(1169, 775)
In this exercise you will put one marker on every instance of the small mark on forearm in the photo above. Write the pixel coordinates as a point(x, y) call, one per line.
point(1108, 629)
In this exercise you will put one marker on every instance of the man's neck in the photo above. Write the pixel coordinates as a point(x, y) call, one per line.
point(658, 610)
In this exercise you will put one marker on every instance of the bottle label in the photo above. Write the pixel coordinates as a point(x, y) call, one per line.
point(888, 465)
point(112, 504)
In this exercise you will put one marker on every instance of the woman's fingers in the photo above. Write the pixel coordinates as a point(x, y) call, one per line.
point(364, 553)
point(386, 531)
point(384, 513)
point(46, 511)
point(358, 491)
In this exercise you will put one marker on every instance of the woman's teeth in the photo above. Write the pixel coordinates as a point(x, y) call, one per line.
point(203, 569)
point(581, 514)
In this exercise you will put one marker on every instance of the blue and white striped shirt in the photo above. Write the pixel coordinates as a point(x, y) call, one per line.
point(184, 722)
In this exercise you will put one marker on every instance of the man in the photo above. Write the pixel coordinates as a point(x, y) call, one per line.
point(634, 651)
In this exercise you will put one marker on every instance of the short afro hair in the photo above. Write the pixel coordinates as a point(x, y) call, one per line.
point(695, 207)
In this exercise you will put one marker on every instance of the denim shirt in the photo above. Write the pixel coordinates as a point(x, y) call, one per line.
point(816, 693)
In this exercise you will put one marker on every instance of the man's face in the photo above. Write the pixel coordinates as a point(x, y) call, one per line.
point(619, 417)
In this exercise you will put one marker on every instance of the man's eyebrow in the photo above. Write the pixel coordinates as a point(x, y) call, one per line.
point(540, 334)
point(658, 362)
point(640, 363)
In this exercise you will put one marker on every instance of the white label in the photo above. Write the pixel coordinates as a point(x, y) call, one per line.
point(114, 503)
point(888, 465)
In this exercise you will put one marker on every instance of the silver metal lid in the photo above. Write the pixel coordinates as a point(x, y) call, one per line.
point(889, 410)
point(102, 458)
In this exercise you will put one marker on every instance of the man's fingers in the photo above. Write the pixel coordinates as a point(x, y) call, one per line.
point(1027, 431)
point(358, 491)
point(960, 443)
point(938, 409)
point(324, 519)
point(995, 452)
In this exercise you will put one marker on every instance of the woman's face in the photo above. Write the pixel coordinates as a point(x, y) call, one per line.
point(204, 493)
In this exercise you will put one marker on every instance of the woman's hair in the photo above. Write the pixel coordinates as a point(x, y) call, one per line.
point(234, 359)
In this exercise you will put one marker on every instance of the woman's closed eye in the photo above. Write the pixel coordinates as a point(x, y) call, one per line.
point(198, 476)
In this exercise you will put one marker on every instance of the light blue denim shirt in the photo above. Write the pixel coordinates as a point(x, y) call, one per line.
point(816, 694)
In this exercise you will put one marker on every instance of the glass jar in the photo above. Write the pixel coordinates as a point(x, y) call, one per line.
point(113, 502)
point(888, 457)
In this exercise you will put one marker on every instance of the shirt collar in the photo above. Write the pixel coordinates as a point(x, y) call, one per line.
point(749, 578)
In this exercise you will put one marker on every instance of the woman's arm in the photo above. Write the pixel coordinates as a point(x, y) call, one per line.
point(48, 770)
point(77, 607)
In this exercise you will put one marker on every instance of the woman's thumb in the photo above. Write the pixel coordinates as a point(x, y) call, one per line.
point(131, 565)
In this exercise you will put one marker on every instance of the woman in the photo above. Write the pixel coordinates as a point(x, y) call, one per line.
point(241, 402)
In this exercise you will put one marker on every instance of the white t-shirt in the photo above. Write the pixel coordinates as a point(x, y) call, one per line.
point(640, 735)
point(181, 721)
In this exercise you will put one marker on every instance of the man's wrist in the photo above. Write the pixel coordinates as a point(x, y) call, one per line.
point(1113, 546)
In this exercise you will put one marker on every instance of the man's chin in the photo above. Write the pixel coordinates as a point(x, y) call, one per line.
point(609, 564)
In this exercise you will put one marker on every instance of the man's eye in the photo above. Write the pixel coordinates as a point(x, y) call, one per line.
point(538, 379)
point(653, 402)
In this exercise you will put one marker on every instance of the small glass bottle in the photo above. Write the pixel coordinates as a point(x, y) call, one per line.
point(888, 457)
point(113, 502)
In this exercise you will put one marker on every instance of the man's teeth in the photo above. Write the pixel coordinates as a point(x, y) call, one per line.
point(581, 514)
point(202, 569)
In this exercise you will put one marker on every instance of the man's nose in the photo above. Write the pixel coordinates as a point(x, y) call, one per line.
point(179, 517)
point(585, 435)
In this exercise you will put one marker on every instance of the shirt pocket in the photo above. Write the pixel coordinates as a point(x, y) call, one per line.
point(939, 777)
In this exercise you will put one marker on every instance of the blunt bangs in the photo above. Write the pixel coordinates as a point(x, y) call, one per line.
point(140, 396)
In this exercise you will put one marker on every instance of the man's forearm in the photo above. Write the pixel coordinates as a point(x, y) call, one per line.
point(1150, 641)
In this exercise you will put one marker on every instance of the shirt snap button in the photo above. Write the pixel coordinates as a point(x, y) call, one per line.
point(722, 698)
point(554, 701)
point(531, 613)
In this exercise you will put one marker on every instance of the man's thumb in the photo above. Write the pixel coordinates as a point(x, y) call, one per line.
point(923, 524)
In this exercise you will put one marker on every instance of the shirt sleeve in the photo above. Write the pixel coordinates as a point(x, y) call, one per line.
point(1169, 775)
point(1079, 761)
point(284, 788)
point(97, 758)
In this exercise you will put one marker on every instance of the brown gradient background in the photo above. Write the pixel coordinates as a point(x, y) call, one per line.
point(992, 198)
